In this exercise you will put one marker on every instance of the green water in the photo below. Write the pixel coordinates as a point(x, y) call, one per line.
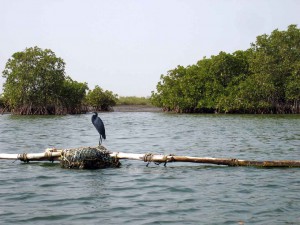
point(181, 193)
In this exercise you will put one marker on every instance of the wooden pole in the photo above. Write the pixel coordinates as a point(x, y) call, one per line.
point(53, 154)
point(205, 160)
point(26, 157)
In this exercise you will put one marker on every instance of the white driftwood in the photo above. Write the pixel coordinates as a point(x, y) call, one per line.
point(9, 156)
point(45, 156)
point(206, 160)
point(53, 154)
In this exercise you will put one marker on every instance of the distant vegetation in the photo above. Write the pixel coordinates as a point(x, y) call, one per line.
point(36, 84)
point(132, 100)
point(262, 79)
point(2, 102)
point(100, 99)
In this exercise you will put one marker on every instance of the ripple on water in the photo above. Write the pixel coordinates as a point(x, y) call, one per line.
point(181, 193)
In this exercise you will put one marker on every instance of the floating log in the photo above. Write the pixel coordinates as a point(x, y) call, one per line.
point(81, 158)
point(99, 157)
point(26, 157)
point(205, 160)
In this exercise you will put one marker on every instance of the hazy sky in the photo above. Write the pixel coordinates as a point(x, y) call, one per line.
point(125, 45)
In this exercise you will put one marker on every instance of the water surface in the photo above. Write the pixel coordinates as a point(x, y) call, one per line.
point(181, 193)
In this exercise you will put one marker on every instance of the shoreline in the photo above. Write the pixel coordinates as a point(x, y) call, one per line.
point(136, 108)
point(122, 108)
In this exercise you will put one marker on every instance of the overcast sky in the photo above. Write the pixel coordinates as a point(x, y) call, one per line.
point(125, 45)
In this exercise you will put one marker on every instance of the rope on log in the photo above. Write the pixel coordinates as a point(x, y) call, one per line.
point(100, 157)
point(81, 158)
point(149, 157)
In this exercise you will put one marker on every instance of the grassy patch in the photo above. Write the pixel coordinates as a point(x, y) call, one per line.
point(133, 100)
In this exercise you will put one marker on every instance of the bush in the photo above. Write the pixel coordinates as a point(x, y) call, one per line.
point(101, 100)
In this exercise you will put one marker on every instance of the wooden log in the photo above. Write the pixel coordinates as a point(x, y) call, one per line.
point(205, 160)
point(26, 157)
point(53, 154)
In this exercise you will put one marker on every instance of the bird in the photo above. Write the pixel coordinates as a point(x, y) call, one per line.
point(99, 125)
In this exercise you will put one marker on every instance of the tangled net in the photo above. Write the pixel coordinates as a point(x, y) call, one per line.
point(88, 158)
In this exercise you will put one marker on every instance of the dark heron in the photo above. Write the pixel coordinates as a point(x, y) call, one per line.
point(98, 123)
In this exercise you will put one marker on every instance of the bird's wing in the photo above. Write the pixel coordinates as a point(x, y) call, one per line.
point(98, 123)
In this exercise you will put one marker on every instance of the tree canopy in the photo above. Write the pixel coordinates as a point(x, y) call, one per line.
point(73, 96)
point(101, 100)
point(34, 80)
point(36, 84)
point(262, 79)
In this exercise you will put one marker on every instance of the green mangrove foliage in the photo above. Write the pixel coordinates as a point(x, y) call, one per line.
point(263, 79)
point(101, 100)
point(36, 84)
point(2, 101)
point(73, 96)
point(34, 80)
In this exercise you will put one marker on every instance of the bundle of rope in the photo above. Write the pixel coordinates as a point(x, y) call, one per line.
point(88, 158)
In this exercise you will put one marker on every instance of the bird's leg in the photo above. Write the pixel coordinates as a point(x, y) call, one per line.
point(100, 140)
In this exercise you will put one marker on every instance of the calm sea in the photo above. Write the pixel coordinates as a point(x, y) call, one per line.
point(181, 193)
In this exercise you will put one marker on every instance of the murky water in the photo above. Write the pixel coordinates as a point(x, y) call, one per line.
point(181, 193)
